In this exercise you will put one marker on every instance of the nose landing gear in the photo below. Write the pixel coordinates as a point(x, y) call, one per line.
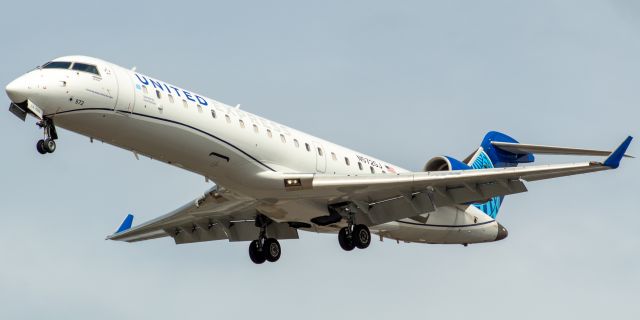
point(47, 145)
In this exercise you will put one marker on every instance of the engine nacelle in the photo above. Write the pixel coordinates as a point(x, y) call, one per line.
point(445, 163)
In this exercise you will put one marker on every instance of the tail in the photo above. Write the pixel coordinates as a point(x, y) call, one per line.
point(487, 156)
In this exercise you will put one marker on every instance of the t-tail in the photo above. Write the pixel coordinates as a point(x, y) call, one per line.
point(488, 156)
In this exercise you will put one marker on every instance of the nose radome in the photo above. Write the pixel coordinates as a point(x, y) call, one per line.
point(17, 90)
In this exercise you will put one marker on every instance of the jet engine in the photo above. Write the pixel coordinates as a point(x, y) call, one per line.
point(445, 163)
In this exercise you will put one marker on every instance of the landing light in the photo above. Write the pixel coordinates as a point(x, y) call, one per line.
point(292, 183)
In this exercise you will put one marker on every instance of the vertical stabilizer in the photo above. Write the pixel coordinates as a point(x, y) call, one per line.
point(487, 156)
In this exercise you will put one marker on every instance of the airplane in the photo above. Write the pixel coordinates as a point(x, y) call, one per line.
point(272, 181)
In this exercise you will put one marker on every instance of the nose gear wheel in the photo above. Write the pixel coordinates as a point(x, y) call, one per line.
point(48, 144)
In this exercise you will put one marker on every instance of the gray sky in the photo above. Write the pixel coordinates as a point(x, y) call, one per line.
point(403, 82)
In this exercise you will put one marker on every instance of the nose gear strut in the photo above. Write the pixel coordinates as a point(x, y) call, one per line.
point(48, 144)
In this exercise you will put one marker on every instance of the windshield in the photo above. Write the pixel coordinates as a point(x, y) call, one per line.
point(56, 65)
point(86, 68)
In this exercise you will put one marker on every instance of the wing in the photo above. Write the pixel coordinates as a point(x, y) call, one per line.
point(375, 199)
point(384, 198)
point(218, 214)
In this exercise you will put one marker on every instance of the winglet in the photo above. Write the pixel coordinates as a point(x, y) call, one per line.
point(613, 161)
point(126, 224)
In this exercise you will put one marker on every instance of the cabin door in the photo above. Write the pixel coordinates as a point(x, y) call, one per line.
point(321, 157)
point(126, 94)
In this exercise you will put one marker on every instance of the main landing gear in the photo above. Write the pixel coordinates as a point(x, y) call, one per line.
point(264, 249)
point(48, 144)
point(354, 235)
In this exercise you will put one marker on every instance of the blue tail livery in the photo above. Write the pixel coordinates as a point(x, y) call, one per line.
point(488, 156)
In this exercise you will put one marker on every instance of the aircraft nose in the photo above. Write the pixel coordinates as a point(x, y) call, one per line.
point(17, 90)
point(502, 232)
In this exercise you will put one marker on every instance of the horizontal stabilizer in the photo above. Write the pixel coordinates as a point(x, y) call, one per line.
point(521, 148)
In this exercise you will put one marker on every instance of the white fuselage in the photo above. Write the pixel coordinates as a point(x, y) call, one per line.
point(225, 144)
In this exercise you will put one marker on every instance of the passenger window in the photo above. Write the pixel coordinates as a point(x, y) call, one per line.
point(184, 103)
point(56, 65)
point(145, 90)
point(296, 143)
point(372, 170)
point(255, 128)
point(306, 145)
point(282, 138)
point(85, 68)
point(333, 156)
point(320, 151)
point(269, 134)
point(360, 165)
point(170, 98)
point(346, 160)
point(199, 108)
point(158, 94)
point(213, 113)
point(226, 117)
point(241, 123)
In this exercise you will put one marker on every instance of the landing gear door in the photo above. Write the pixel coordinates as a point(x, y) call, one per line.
point(321, 157)
point(126, 94)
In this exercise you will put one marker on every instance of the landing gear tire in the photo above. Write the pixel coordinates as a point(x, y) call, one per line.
point(361, 236)
point(49, 145)
point(40, 147)
point(345, 240)
point(264, 249)
point(256, 253)
point(271, 250)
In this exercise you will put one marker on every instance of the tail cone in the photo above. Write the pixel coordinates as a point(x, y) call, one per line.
point(502, 232)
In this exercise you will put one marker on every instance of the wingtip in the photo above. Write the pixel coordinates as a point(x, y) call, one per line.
point(613, 161)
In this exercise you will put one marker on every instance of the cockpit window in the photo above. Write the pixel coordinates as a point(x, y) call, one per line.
point(56, 65)
point(85, 67)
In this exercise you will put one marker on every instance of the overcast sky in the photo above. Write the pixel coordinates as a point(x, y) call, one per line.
point(402, 81)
